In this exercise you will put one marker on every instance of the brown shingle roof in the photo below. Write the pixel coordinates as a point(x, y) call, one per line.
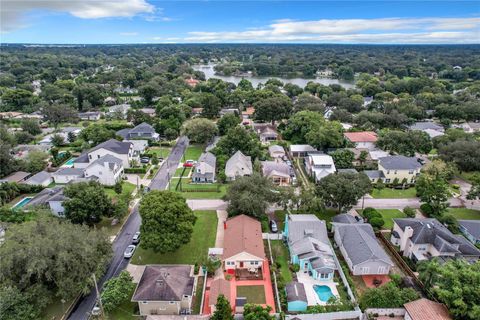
point(218, 287)
point(243, 234)
point(424, 309)
point(363, 136)
point(164, 283)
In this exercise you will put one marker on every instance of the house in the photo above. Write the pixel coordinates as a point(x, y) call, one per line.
point(204, 170)
point(361, 250)
point(424, 309)
point(225, 111)
point(429, 127)
point(139, 146)
point(346, 218)
point(17, 177)
point(248, 113)
point(319, 166)
point(300, 150)
point(108, 169)
point(121, 150)
point(367, 101)
point(51, 198)
point(296, 297)
point(219, 287)
point(266, 132)
point(243, 246)
point(309, 247)
point(423, 239)
point(65, 175)
point(192, 82)
point(401, 168)
point(120, 109)
point(165, 290)
point(42, 178)
point(90, 116)
point(149, 111)
point(143, 131)
point(82, 161)
point(197, 111)
point(126, 90)
point(21, 151)
point(470, 229)
point(276, 151)
point(238, 165)
point(110, 101)
point(278, 172)
point(471, 127)
point(362, 139)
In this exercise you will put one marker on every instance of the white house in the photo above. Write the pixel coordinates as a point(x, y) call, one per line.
point(65, 175)
point(238, 165)
point(49, 197)
point(121, 150)
point(363, 139)
point(319, 165)
point(42, 178)
point(108, 169)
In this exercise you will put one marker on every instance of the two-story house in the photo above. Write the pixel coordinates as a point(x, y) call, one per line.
point(108, 169)
point(121, 150)
point(319, 165)
point(204, 169)
point(403, 169)
point(143, 131)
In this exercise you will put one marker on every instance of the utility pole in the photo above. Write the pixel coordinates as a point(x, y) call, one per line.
point(99, 299)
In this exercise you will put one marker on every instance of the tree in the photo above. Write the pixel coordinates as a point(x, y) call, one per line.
point(329, 135)
point(58, 113)
point(7, 162)
point(117, 290)
point(454, 283)
point(200, 130)
point(273, 108)
point(300, 124)
point(406, 143)
point(257, 312)
point(465, 154)
point(58, 140)
point(432, 186)
point(409, 212)
point(148, 92)
point(387, 296)
point(31, 126)
point(343, 158)
point(118, 187)
point(223, 310)
point(343, 190)
point(87, 203)
point(35, 161)
point(96, 133)
point(239, 138)
point(39, 266)
point(474, 192)
point(167, 221)
point(211, 105)
point(16, 305)
point(250, 195)
point(23, 137)
point(227, 122)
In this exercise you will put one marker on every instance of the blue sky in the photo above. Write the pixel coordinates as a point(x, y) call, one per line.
point(147, 21)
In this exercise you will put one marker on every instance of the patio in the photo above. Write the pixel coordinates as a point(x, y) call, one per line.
point(312, 296)
point(249, 274)
point(375, 281)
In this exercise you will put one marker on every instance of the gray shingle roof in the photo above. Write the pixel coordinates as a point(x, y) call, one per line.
point(296, 292)
point(112, 161)
point(276, 168)
point(344, 218)
point(399, 163)
point(208, 158)
point(238, 165)
point(143, 128)
point(164, 283)
point(46, 195)
point(39, 178)
point(69, 172)
point(374, 174)
point(301, 148)
point(472, 226)
point(123, 133)
point(425, 125)
point(83, 158)
point(360, 243)
point(114, 146)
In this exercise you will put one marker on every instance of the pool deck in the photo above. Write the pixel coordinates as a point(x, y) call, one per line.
point(68, 163)
point(20, 204)
point(309, 282)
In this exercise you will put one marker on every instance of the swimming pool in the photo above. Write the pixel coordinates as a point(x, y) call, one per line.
point(323, 292)
point(69, 163)
point(20, 204)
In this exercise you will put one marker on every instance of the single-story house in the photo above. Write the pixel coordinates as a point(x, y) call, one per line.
point(149, 111)
point(266, 132)
point(471, 127)
point(142, 131)
point(42, 178)
point(319, 166)
point(49, 197)
point(22, 150)
point(276, 151)
point(18, 177)
point(243, 246)
point(225, 111)
point(362, 139)
point(361, 250)
point(278, 172)
point(238, 165)
point(470, 229)
point(346, 218)
point(424, 239)
point(90, 116)
point(204, 169)
point(165, 290)
point(219, 287)
point(301, 150)
point(424, 125)
point(404, 169)
point(296, 297)
point(424, 309)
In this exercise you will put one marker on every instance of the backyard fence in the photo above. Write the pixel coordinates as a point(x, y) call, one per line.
point(340, 315)
point(272, 236)
point(398, 312)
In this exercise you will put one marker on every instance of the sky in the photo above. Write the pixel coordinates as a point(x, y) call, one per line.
point(152, 21)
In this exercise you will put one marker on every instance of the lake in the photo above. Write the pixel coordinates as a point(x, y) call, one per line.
point(209, 72)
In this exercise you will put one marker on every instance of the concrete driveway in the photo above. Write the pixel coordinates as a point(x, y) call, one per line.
point(207, 204)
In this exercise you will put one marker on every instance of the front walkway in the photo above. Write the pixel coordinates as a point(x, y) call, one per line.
point(222, 217)
point(312, 296)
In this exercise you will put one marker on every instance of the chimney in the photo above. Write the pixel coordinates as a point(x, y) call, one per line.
point(407, 234)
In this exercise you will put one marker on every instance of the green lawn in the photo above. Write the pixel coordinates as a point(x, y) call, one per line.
point(161, 152)
point(126, 310)
point(280, 218)
point(388, 216)
point(56, 309)
point(127, 187)
point(464, 213)
point(197, 300)
point(254, 294)
point(203, 237)
point(326, 214)
point(281, 256)
point(467, 176)
point(388, 193)
point(212, 192)
point(193, 152)
point(179, 171)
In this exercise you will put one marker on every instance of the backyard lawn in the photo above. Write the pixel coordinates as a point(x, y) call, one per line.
point(193, 152)
point(126, 310)
point(127, 187)
point(254, 294)
point(56, 309)
point(464, 213)
point(388, 193)
point(203, 237)
point(161, 152)
point(281, 256)
point(280, 219)
point(388, 216)
point(197, 300)
point(326, 214)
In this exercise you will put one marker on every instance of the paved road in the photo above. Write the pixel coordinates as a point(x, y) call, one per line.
point(132, 225)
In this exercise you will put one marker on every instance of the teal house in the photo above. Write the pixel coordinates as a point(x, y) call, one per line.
point(309, 247)
point(296, 297)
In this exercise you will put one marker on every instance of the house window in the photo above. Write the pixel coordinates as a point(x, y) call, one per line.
point(365, 270)
point(145, 302)
point(90, 156)
point(387, 180)
point(410, 172)
point(395, 172)
point(381, 270)
point(98, 156)
point(388, 171)
point(172, 302)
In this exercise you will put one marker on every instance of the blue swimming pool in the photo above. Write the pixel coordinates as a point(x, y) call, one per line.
point(323, 292)
point(69, 163)
point(20, 204)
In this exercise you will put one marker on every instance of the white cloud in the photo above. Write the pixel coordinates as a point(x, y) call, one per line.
point(12, 15)
point(386, 30)
point(128, 34)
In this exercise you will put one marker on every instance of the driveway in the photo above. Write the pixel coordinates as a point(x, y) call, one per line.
point(207, 204)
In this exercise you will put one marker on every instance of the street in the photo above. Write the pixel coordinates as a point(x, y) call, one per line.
point(132, 225)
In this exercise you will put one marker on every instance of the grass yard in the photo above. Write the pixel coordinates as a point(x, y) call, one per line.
point(193, 152)
point(388, 216)
point(326, 214)
point(161, 152)
point(464, 213)
point(281, 256)
point(203, 237)
point(56, 309)
point(106, 224)
point(213, 194)
point(179, 171)
point(388, 193)
point(254, 294)
point(197, 300)
point(280, 219)
point(127, 187)
point(467, 176)
point(126, 310)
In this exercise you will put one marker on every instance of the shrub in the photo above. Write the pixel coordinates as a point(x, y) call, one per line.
point(409, 212)
point(370, 213)
point(295, 267)
point(135, 170)
point(426, 209)
point(376, 222)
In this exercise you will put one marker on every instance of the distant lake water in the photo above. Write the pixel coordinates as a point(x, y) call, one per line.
point(208, 70)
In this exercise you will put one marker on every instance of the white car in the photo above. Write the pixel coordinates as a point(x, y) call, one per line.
point(129, 251)
point(136, 238)
point(96, 310)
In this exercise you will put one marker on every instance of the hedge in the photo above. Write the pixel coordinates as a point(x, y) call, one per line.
point(135, 170)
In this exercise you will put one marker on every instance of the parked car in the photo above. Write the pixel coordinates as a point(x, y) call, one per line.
point(189, 163)
point(273, 226)
point(144, 159)
point(96, 310)
point(421, 161)
point(136, 238)
point(160, 159)
point(129, 251)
